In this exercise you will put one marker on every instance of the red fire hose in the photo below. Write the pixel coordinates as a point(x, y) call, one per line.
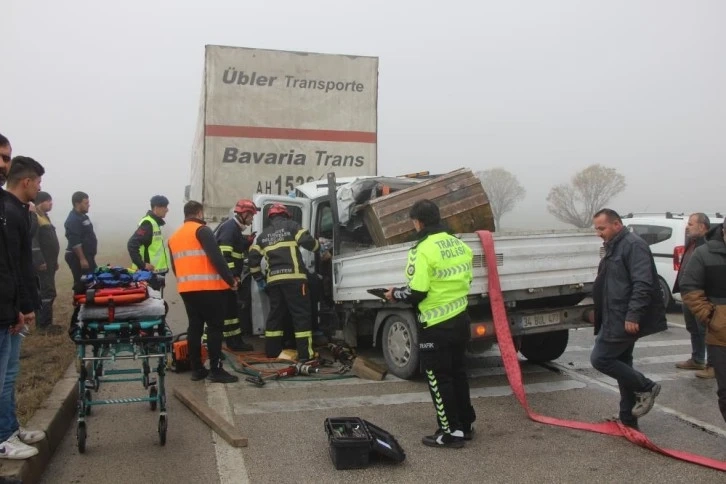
point(514, 374)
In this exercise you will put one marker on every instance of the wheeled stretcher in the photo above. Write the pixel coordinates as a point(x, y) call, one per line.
point(102, 339)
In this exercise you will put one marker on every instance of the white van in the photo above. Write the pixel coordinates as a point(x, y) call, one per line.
point(665, 233)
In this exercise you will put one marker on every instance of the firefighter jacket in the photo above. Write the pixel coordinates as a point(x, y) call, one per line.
point(280, 245)
point(196, 260)
point(233, 244)
point(439, 273)
point(146, 245)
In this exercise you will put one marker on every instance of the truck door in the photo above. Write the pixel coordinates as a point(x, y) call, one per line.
point(299, 209)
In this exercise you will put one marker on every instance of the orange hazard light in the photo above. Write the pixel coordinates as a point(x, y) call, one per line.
point(480, 330)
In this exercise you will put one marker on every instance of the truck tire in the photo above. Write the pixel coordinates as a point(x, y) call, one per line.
point(667, 296)
point(400, 345)
point(541, 347)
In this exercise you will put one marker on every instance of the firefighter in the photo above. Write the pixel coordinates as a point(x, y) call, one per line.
point(203, 281)
point(234, 246)
point(439, 273)
point(146, 245)
point(285, 281)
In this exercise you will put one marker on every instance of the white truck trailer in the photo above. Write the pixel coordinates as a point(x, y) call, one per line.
point(270, 120)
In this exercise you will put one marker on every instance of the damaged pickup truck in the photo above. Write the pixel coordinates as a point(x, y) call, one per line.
point(546, 276)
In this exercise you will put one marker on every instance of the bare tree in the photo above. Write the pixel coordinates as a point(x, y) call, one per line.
point(503, 190)
point(589, 191)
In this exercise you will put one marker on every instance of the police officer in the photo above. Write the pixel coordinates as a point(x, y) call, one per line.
point(146, 244)
point(285, 281)
point(234, 246)
point(439, 273)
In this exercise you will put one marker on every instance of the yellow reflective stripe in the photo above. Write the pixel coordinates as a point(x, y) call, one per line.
point(442, 311)
point(309, 336)
point(231, 333)
point(230, 265)
point(256, 247)
point(200, 277)
point(231, 321)
point(452, 271)
point(188, 253)
point(224, 248)
point(286, 277)
point(299, 234)
point(293, 257)
point(278, 245)
point(237, 255)
point(254, 270)
point(274, 334)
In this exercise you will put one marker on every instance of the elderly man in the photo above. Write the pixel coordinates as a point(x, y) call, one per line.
point(698, 226)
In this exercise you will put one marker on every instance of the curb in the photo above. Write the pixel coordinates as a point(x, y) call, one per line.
point(54, 417)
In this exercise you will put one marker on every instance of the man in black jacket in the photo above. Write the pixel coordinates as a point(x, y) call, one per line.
point(628, 306)
point(23, 181)
point(696, 230)
point(45, 260)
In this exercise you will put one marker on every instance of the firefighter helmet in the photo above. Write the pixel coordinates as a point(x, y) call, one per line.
point(278, 209)
point(245, 206)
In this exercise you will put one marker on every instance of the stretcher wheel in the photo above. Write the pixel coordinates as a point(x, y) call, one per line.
point(152, 394)
point(81, 436)
point(162, 429)
point(86, 399)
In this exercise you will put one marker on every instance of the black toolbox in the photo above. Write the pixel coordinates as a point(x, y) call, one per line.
point(352, 440)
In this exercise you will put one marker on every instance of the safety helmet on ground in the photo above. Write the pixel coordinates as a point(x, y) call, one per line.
point(278, 209)
point(245, 206)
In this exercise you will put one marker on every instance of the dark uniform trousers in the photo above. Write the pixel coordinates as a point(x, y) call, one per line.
point(75, 266)
point(289, 301)
point(205, 307)
point(442, 349)
point(47, 297)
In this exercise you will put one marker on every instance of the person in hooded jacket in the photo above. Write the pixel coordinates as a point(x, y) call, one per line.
point(704, 292)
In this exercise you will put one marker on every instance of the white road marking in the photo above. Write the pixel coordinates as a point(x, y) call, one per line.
point(581, 363)
point(230, 461)
point(604, 384)
point(390, 399)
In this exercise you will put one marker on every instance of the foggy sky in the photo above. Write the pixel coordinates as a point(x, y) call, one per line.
point(105, 94)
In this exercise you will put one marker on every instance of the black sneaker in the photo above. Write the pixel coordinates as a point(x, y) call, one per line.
point(453, 440)
point(644, 401)
point(220, 375)
point(200, 374)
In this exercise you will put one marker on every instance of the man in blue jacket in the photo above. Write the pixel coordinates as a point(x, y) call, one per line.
point(628, 305)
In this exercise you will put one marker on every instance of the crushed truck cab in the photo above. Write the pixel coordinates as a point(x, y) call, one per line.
point(546, 276)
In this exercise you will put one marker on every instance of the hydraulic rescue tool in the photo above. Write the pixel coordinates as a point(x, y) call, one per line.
point(293, 370)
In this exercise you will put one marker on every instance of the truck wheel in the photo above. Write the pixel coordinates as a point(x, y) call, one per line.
point(400, 345)
point(667, 296)
point(541, 347)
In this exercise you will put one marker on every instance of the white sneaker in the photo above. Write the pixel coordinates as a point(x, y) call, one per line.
point(13, 448)
point(30, 436)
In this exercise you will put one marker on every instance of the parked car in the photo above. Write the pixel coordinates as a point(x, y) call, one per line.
point(665, 233)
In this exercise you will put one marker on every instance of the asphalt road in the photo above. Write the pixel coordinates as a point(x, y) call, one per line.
point(287, 443)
